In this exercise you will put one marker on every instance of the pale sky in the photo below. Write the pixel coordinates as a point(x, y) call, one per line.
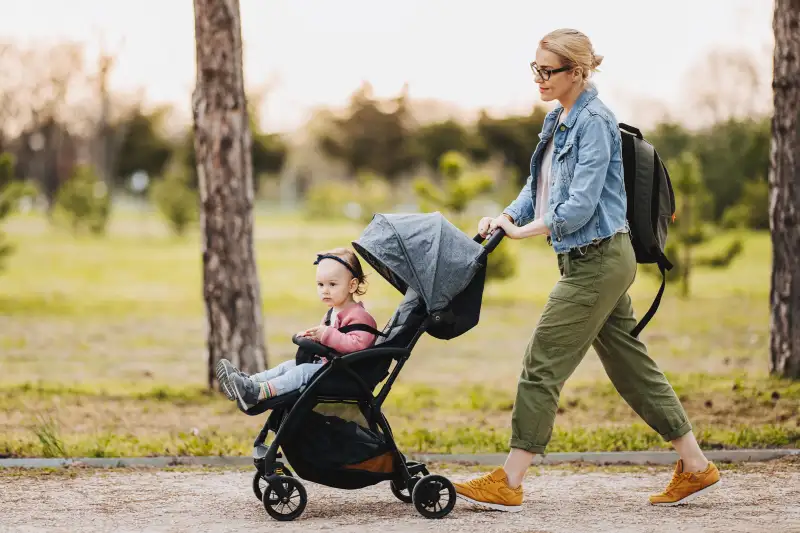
point(472, 53)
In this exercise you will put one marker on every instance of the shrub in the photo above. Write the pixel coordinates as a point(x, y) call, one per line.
point(176, 200)
point(83, 201)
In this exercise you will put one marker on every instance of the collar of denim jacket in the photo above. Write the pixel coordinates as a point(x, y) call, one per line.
point(588, 94)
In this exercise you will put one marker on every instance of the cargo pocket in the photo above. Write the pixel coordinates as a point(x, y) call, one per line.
point(565, 318)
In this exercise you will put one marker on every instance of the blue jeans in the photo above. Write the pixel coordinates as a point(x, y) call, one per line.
point(287, 376)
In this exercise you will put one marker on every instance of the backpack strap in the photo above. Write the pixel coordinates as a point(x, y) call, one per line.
point(361, 327)
point(631, 129)
point(328, 316)
point(663, 266)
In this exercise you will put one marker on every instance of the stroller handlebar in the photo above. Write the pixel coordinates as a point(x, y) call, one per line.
point(494, 240)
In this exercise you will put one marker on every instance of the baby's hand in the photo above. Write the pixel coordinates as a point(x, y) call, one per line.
point(316, 332)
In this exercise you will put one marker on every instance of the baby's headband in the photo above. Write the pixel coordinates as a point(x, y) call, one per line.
point(320, 257)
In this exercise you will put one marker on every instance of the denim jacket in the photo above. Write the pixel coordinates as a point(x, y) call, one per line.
point(587, 190)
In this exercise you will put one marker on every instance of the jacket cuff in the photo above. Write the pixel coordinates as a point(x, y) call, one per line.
point(326, 336)
point(513, 214)
point(555, 224)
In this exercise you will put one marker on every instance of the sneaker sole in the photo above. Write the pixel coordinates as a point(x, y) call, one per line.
point(690, 497)
point(495, 506)
point(224, 381)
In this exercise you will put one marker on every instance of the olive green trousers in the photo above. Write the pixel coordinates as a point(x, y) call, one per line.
point(590, 306)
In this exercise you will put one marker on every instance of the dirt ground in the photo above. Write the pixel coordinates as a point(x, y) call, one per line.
point(753, 497)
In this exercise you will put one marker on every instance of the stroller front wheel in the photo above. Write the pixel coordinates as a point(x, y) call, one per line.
point(404, 494)
point(260, 482)
point(288, 506)
point(434, 496)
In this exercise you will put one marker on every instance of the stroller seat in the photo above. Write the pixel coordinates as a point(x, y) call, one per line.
point(339, 385)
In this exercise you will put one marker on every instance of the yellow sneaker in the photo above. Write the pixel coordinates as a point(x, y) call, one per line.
point(686, 486)
point(491, 491)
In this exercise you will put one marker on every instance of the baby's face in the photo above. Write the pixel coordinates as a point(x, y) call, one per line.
point(334, 283)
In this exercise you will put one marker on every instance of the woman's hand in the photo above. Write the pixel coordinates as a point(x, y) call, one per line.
point(483, 226)
point(487, 225)
point(512, 231)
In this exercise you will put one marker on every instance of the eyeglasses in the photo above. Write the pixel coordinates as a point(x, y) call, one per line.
point(545, 73)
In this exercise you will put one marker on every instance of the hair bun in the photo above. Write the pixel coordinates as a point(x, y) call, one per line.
point(596, 60)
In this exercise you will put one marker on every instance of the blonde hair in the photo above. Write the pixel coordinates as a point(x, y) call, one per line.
point(351, 259)
point(574, 48)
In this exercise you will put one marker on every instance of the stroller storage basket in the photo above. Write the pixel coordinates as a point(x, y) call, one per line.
point(339, 453)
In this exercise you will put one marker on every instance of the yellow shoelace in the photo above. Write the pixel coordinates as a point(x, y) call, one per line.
point(481, 481)
point(677, 479)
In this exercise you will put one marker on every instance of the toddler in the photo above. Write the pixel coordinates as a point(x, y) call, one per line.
point(339, 279)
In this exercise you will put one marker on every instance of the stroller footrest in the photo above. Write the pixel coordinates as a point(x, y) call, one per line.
point(277, 401)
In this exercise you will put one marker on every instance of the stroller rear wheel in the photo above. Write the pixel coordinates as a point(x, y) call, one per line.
point(288, 506)
point(434, 496)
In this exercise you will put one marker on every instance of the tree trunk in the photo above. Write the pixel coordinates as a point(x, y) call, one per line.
point(784, 198)
point(224, 167)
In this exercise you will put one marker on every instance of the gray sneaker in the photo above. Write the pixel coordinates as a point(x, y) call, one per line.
point(246, 391)
point(225, 370)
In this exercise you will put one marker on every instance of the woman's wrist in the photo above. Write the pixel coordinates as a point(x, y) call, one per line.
point(533, 229)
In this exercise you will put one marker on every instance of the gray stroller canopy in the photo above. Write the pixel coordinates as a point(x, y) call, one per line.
point(424, 252)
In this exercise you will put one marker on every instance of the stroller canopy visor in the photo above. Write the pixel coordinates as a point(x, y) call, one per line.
point(423, 251)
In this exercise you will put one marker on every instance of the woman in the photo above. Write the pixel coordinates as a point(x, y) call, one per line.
point(576, 197)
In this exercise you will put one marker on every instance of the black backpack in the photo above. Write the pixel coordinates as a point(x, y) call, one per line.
point(651, 207)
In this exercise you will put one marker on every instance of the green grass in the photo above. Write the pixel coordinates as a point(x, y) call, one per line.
point(731, 411)
point(102, 348)
point(634, 437)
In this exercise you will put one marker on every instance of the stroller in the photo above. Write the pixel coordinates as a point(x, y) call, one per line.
point(332, 431)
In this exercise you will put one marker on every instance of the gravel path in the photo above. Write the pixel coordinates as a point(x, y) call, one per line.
point(751, 498)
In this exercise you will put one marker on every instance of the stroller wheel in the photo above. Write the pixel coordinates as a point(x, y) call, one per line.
point(259, 485)
point(291, 505)
point(434, 496)
point(404, 494)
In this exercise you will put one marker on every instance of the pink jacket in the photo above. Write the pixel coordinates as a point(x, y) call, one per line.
point(355, 340)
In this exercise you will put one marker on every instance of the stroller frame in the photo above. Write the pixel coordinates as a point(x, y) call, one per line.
point(266, 459)
point(424, 490)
